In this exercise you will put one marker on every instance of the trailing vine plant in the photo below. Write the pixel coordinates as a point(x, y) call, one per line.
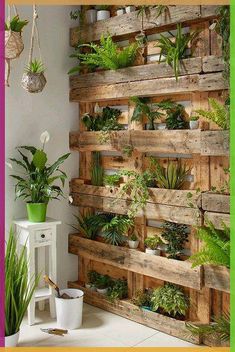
point(174, 235)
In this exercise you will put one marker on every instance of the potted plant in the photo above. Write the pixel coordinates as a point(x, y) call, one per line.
point(102, 284)
point(37, 183)
point(33, 79)
point(117, 290)
point(152, 243)
point(194, 123)
point(130, 8)
point(142, 299)
point(103, 12)
point(175, 235)
point(111, 180)
point(90, 14)
point(18, 289)
point(13, 40)
point(92, 278)
point(133, 241)
point(120, 10)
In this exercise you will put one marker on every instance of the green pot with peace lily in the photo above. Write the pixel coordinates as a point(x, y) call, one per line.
point(37, 181)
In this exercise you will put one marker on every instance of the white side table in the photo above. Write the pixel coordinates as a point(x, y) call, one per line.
point(39, 236)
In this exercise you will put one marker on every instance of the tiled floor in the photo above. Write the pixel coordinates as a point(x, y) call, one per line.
point(99, 329)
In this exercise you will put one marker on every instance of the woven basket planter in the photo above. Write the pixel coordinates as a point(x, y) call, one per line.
point(33, 82)
point(13, 45)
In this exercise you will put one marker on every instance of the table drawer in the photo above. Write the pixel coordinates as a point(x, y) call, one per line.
point(44, 235)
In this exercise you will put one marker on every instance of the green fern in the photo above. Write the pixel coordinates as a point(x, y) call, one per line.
point(219, 114)
point(106, 55)
point(216, 248)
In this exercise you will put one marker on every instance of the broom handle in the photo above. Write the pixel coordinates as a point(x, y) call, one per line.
point(52, 284)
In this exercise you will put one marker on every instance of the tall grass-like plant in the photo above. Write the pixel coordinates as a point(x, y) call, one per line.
point(174, 48)
point(97, 171)
point(216, 249)
point(219, 113)
point(18, 289)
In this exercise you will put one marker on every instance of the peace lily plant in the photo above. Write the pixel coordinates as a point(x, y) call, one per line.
point(37, 183)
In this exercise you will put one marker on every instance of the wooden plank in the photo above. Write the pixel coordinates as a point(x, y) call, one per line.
point(212, 63)
point(217, 277)
point(216, 202)
point(151, 87)
point(175, 271)
point(123, 26)
point(129, 311)
point(217, 219)
point(172, 197)
point(215, 143)
point(134, 73)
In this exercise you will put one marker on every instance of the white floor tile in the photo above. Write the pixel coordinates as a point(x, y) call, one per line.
point(164, 340)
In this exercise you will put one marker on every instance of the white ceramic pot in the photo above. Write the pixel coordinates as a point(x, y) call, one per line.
point(103, 291)
point(152, 251)
point(133, 244)
point(120, 12)
point(130, 8)
point(103, 15)
point(90, 287)
point(193, 125)
point(161, 126)
point(91, 16)
point(12, 340)
point(69, 311)
point(162, 247)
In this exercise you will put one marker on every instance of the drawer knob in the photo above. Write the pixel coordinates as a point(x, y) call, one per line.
point(42, 235)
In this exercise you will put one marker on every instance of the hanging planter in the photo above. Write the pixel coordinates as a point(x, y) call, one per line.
point(34, 80)
point(13, 39)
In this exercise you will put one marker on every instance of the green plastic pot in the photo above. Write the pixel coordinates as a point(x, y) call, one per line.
point(37, 212)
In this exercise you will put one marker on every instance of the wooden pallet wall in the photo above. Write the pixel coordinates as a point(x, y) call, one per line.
point(205, 151)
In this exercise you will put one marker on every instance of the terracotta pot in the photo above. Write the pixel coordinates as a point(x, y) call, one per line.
point(33, 82)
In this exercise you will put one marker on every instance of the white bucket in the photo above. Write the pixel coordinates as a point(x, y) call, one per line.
point(69, 311)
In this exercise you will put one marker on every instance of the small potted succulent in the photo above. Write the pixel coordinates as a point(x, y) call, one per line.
point(130, 8)
point(37, 182)
point(194, 123)
point(103, 12)
point(152, 245)
point(90, 14)
point(102, 284)
point(33, 79)
point(133, 241)
point(120, 10)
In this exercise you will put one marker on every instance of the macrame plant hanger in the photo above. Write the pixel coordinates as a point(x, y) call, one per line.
point(34, 82)
point(13, 45)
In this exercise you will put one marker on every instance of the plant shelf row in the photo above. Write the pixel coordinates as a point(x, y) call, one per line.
point(129, 311)
point(123, 26)
point(213, 143)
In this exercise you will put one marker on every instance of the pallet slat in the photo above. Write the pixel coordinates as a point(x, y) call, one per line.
point(217, 219)
point(129, 311)
point(178, 272)
point(217, 277)
point(219, 203)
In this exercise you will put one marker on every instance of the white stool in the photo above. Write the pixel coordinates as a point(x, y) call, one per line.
point(39, 236)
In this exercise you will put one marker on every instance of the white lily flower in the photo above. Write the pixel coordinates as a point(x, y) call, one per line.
point(45, 137)
point(70, 199)
point(9, 165)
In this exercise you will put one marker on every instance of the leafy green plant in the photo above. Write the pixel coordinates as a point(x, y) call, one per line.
point(143, 108)
point(15, 24)
point(18, 288)
point(171, 177)
point(37, 183)
point(170, 299)
point(194, 118)
point(97, 171)
point(152, 242)
point(175, 115)
point(106, 55)
point(133, 237)
point(118, 290)
point(174, 48)
point(142, 298)
point(103, 281)
point(112, 180)
point(175, 235)
point(136, 187)
point(84, 225)
point(92, 276)
point(219, 113)
point(216, 249)
point(106, 121)
point(36, 66)
point(218, 328)
point(128, 150)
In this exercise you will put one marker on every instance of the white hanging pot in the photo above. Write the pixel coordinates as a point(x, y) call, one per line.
point(103, 15)
point(33, 82)
point(13, 45)
point(91, 16)
point(12, 340)
point(193, 125)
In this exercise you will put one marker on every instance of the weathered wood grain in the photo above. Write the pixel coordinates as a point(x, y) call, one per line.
point(129, 311)
point(176, 271)
point(217, 277)
point(214, 202)
point(122, 26)
point(217, 219)
point(212, 63)
point(215, 143)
